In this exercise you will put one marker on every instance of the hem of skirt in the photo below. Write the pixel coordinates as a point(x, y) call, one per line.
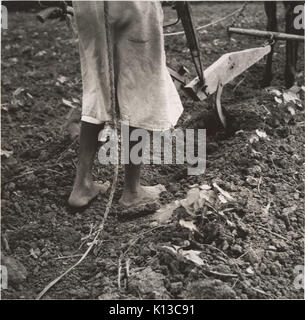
point(148, 127)
point(91, 120)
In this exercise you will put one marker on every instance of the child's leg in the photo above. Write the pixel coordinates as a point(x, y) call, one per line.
point(85, 189)
point(134, 193)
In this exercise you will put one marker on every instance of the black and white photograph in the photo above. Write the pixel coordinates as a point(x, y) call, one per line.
point(152, 150)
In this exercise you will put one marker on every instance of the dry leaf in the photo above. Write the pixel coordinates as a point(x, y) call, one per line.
point(33, 253)
point(188, 224)
point(253, 138)
point(41, 53)
point(265, 211)
point(250, 270)
point(276, 92)
point(261, 134)
point(192, 255)
point(291, 110)
point(62, 79)
point(278, 100)
point(222, 199)
point(6, 153)
point(205, 187)
point(18, 91)
point(290, 96)
point(68, 103)
point(223, 192)
point(165, 213)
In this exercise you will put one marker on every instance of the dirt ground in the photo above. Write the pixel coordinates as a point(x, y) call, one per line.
point(244, 246)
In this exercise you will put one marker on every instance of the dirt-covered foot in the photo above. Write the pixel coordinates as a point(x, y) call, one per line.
point(143, 195)
point(82, 195)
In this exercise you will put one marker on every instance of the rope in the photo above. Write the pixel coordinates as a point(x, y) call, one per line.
point(115, 178)
point(210, 24)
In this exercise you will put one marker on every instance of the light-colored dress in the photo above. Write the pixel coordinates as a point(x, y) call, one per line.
point(146, 94)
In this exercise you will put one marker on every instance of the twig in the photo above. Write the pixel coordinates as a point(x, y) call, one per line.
point(273, 233)
point(62, 154)
point(262, 292)
point(220, 274)
point(127, 272)
point(127, 267)
point(55, 171)
point(29, 172)
point(259, 184)
point(242, 255)
point(223, 253)
point(68, 257)
point(238, 84)
point(19, 176)
point(139, 237)
point(5, 243)
point(90, 233)
point(119, 272)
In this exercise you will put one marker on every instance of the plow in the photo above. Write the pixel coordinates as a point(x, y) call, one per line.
point(209, 81)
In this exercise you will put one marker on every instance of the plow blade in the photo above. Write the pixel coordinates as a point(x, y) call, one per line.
point(224, 70)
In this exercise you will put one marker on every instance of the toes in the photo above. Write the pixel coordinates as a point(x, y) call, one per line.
point(102, 187)
point(149, 194)
point(83, 196)
point(161, 188)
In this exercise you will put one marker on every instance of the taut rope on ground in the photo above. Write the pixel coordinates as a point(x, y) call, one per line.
point(115, 178)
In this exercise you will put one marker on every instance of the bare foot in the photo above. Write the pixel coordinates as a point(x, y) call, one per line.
point(82, 195)
point(144, 195)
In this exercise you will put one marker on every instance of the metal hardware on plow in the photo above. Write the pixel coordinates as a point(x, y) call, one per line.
point(179, 77)
point(185, 14)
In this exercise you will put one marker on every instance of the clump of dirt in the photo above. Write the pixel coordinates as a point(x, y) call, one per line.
point(209, 289)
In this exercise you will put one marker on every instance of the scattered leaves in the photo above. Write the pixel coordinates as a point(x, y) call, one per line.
point(6, 153)
point(188, 224)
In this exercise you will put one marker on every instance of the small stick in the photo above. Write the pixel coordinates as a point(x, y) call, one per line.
point(273, 233)
point(127, 266)
point(262, 292)
point(119, 273)
point(19, 176)
point(55, 171)
point(62, 154)
point(259, 184)
point(139, 237)
point(5, 243)
point(68, 257)
point(239, 83)
point(220, 274)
